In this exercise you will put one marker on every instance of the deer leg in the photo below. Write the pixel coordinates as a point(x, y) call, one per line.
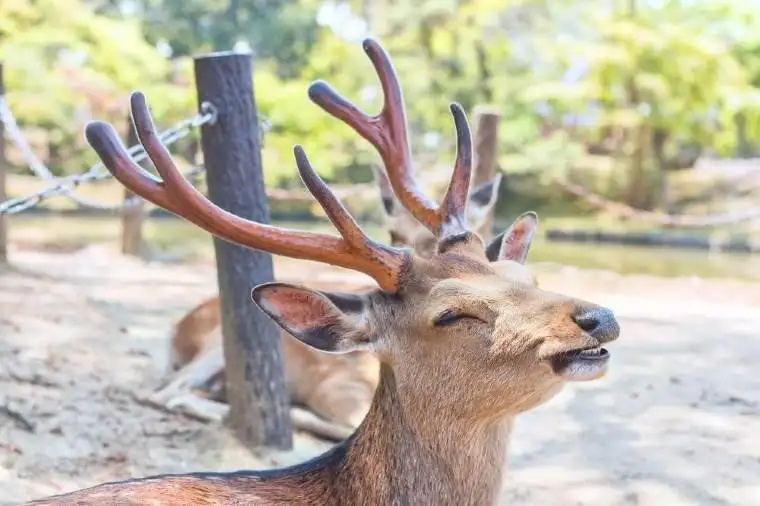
point(194, 406)
point(305, 420)
point(195, 375)
point(211, 411)
point(204, 370)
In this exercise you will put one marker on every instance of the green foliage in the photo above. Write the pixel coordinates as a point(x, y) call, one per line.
point(646, 79)
point(65, 65)
point(276, 29)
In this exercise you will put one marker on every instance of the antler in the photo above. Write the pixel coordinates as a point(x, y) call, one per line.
point(388, 133)
point(354, 251)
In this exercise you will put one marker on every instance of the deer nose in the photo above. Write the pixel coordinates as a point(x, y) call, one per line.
point(599, 322)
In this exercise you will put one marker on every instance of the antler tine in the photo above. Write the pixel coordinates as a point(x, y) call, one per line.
point(387, 132)
point(157, 152)
point(103, 138)
point(354, 251)
point(336, 212)
point(453, 210)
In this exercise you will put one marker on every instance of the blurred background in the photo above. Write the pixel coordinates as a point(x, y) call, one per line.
point(608, 109)
point(631, 126)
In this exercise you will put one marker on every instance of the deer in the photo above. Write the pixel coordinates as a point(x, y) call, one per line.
point(197, 330)
point(465, 341)
point(338, 389)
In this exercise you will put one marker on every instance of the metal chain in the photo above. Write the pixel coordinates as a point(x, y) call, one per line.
point(66, 185)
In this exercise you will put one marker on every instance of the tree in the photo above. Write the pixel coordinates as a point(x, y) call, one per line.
point(653, 78)
point(66, 65)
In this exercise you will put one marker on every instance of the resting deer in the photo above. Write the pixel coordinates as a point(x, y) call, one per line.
point(337, 388)
point(465, 340)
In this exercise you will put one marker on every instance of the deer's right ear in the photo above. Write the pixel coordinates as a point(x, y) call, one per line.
point(331, 322)
point(515, 243)
point(386, 190)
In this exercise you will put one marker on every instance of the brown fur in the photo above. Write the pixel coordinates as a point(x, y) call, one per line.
point(437, 429)
point(465, 339)
point(342, 476)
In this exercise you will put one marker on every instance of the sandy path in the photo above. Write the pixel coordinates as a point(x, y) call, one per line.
point(676, 421)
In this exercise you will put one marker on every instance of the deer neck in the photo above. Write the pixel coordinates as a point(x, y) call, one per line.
point(403, 455)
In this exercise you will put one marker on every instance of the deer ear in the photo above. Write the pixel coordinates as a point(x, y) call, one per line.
point(515, 243)
point(386, 190)
point(485, 195)
point(494, 247)
point(331, 322)
point(481, 204)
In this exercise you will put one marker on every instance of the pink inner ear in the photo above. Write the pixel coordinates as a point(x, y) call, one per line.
point(518, 239)
point(302, 310)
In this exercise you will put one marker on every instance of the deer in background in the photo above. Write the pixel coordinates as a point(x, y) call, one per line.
point(338, 389)
point(465, 340)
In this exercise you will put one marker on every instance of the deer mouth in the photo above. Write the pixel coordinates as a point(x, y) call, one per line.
point(581, 365)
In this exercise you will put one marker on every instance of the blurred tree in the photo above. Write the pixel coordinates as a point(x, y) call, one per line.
point(625, 83)
point(282, 30)
point(66, 65)
point(644, 80)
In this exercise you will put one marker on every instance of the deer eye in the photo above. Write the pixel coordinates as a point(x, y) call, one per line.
point(450, 317)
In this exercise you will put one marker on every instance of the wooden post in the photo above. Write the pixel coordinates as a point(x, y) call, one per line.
point(3, 175)
point(133, 216)
point(256, 388)
point(486, 149)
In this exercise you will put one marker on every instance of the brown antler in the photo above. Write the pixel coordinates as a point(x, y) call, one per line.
point(388, 133)
point(354, 251)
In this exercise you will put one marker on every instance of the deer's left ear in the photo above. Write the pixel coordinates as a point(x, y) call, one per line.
point(515, 243)
point(486, 194)
point(331, 322)
point(481, 205)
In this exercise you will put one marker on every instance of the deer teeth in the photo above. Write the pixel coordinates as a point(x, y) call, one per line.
point(593, 352)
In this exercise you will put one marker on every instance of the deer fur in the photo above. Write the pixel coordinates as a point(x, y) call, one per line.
point(421, 442)
point(337, 388)
point(465, 339)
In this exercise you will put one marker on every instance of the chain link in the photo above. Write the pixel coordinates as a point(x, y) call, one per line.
point(67, 184)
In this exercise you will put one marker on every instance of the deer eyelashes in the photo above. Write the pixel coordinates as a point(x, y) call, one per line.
point(450, 317)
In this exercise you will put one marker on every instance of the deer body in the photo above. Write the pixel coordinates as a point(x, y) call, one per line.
point(461, 466)
point(465, 339)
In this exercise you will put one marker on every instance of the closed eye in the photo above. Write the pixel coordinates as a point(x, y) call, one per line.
point(450, 317)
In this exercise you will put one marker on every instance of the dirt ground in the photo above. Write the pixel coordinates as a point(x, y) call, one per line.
point(675, 422)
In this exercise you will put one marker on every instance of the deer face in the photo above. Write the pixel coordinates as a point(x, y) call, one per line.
point(470, 335)
point(405, 230)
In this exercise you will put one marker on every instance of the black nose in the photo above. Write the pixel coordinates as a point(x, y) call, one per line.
point(599, 322)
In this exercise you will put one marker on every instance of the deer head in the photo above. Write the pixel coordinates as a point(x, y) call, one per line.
point(405, 230)
point(464, 333)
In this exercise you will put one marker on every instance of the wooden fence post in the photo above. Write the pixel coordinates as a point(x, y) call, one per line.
point(132, 216)
point(486, 144)
point(256, 388)
point(3, 175)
